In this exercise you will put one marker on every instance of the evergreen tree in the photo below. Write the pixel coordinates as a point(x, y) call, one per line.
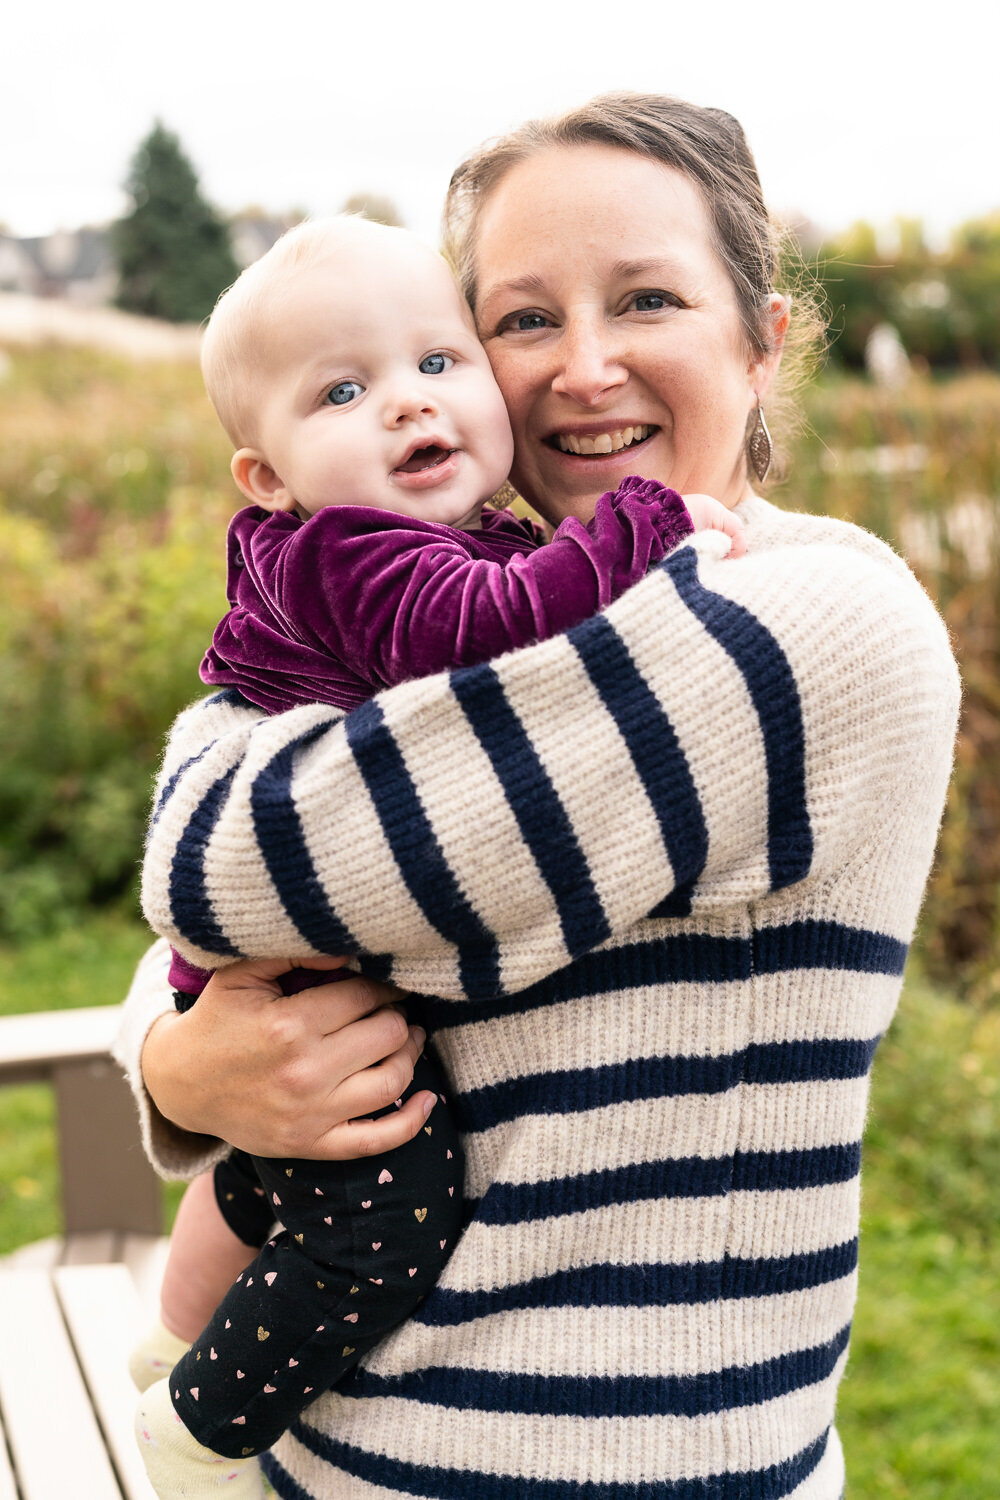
point(173, 249)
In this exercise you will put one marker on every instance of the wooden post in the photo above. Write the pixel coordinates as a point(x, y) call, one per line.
point(107, 1183)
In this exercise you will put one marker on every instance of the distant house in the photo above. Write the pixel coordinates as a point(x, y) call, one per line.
point(251, 235)
point(78, 264)
point(75, 264)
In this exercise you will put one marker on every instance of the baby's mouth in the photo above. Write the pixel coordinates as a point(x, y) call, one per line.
point(424, 458)
point(599, 444)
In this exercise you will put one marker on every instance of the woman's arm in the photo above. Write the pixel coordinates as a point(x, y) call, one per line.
point(727, 728)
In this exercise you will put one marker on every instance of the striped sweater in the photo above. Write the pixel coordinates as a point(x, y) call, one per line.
point(659, 876)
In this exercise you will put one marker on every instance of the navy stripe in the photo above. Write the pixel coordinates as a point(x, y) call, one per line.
point(806, 1062)
point(692, 958)
point(775, 696)
point(570, 1091)
point(827, 945)
point(646, 1285)
point(653, 746)
point(680, 1177)
point(435, 1483)
point(376, 966)
point(529, 1394)
point(283, 847)
point(779, 1171)
point(189, 904)
point(541, 817)
point(170, 786)
point(680, 958)
point(677, 904)
point(418, 854)
point(230, 697)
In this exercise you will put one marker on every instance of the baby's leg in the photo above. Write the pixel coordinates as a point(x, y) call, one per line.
point(222, 1221)
point(364, 1242)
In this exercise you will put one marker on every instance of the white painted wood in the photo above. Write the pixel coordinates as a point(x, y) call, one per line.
point(7, 1487)
point(31, 1044)
point(57, 1446)
point(104, 1318)
point(145, 1255)
point(40, 1256)
point(97, 1248)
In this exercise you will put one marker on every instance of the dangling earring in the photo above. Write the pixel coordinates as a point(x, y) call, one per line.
point(759, 446)
point(505, 495)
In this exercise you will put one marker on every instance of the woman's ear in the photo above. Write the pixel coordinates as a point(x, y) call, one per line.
point(259, 482)
point(763, 370)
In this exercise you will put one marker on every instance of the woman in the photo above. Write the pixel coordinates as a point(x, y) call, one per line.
point(660, 874)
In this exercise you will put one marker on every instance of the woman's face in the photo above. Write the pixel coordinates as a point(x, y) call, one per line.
point(611, 324)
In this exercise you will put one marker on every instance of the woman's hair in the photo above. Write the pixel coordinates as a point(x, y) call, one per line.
point(709, 147)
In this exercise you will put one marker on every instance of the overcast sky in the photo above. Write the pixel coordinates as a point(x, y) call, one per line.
point(858, 109)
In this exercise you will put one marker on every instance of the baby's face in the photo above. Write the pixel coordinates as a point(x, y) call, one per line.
point(374, 389)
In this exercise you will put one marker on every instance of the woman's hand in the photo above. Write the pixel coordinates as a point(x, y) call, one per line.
point(288, 1075)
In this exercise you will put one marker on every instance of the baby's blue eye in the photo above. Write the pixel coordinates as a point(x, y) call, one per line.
point(343, 392)
point(435, 364)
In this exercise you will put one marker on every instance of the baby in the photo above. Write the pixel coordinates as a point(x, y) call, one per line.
point(369, 434)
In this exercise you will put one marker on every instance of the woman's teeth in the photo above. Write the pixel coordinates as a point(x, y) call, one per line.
point(604, 442)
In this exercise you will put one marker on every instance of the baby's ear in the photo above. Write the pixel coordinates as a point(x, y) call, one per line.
point(259, 482)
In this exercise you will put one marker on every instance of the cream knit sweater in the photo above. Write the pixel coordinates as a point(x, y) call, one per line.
point(660, 875)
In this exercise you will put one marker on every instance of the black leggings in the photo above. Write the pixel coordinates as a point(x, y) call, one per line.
point(363, 1242)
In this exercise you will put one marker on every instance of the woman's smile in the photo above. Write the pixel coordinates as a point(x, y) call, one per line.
point(598, 439)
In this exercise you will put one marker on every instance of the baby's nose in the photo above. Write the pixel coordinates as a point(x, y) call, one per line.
point(406, 406)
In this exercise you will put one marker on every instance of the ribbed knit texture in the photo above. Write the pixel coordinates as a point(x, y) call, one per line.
point(660, 874)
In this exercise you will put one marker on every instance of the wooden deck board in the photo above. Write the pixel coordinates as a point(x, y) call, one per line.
point(32, 1045)
point(8, 1490)
point(104, 1318)
point(56, 1443)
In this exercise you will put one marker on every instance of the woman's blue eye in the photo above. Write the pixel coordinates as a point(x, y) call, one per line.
point(526, 322)
point(652, 302)
point(343, 392)
point(435, 364)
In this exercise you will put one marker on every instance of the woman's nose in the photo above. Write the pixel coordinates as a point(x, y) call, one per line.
point(589, 365)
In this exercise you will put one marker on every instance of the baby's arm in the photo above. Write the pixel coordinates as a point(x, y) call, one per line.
point(410, 602)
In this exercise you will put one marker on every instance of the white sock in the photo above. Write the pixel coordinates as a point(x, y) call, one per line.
point(179, 1467)
point(155, 1355)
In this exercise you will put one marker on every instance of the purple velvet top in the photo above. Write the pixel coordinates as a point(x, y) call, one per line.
point(353, 600)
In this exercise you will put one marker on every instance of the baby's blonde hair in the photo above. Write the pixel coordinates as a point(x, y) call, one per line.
point(244, 316)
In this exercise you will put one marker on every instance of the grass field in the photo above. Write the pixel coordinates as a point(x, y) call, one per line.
point(920, 1406)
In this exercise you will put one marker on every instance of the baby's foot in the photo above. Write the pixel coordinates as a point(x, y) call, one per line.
point(179, 1468)
point(154, 1356)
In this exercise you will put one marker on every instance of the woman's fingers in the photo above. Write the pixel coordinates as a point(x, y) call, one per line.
point(376, 1087)
point(352, 1045)
point(366, 1137)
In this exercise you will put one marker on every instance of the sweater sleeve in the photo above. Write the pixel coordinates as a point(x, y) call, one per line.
point(406, 599)
point(174, 1152)
point(723, 731)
